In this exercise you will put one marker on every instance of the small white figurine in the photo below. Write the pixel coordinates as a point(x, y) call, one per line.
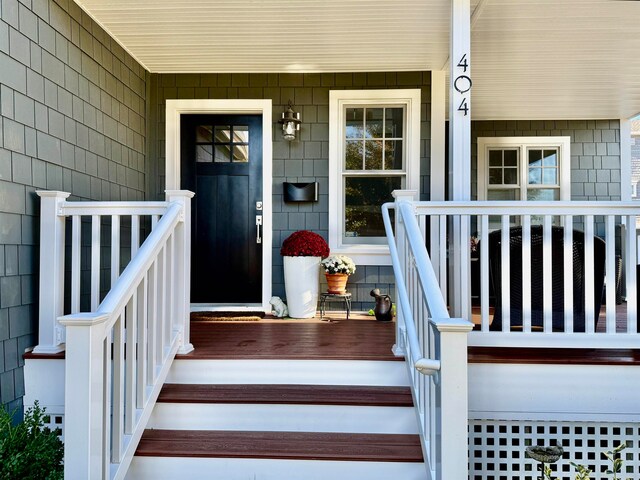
point(279, 308)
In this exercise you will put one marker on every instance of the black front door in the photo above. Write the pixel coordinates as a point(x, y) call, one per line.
point(222, 163)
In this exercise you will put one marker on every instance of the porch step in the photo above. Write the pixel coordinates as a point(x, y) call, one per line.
point(299, 408)
point(287, 394)
point(276, 455)
point(282, 372)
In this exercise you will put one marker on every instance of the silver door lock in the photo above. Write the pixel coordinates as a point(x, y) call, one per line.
point(259, 206)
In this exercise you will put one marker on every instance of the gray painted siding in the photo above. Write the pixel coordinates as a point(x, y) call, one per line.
point(303, 160)
point(72, 117)
point(595, 151)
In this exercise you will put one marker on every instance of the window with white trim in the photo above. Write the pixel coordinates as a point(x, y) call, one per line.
point(374, 148)
point(524, 168)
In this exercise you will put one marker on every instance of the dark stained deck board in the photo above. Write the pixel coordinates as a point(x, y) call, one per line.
point(554, 356)
point(287, 394)
point(343, 340)
point(281, 445)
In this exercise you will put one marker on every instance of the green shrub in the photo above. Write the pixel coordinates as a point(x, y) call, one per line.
point(29, 450)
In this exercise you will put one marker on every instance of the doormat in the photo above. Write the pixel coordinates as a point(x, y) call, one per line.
point(226, 316)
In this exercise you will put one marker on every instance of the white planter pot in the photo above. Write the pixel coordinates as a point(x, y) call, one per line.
point(302, 283)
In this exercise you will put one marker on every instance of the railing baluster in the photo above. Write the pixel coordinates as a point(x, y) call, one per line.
point(135, 234)
point(106, 409)
point(131, 326)
point(630, 268)
point(76, 245)
point(170, 275)
point(95, 262)
point(568, 273)
point(154, 221)
point(160, 311)
point(484, 272)
point(588, 275)
point(547, 267)
point(118, 390)
point(526, 273)
point(442, 251)
point(115, 248)
point(505, 282)
point(143, 328)
point(610, 275)
point(152, 323)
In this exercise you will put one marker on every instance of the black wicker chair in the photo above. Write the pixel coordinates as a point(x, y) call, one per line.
point(557, 277)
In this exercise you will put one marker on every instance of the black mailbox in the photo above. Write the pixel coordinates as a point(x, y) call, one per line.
point(301, 192)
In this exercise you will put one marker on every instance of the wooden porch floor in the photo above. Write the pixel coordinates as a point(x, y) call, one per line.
point(359, 338)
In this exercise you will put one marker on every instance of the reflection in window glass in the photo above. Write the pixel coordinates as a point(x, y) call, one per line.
point(393, 155)
point(223, 134)
point(204, 134)
point(363, 198)
point(353, 155)
point(354, 122)
point(393, 122)
point(543, 194)
point(222, 154)
point(373, 126)
point(373, 155)
point(240, 134)
point(241, 153)
point(510, 176)
point(203, 153)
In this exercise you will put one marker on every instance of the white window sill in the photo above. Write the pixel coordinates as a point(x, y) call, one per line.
point(364, 254)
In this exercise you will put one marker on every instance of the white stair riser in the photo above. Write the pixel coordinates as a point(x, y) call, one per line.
point(285, 418)
point(301, 372)
point(165, 468)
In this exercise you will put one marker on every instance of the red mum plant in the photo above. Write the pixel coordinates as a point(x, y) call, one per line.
point(304, 243)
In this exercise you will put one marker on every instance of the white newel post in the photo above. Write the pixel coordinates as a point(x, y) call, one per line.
point(401, 196)
point(84, 396)
point(51, 296)
point(460, 152)
point(452, 398)
point(182, 280)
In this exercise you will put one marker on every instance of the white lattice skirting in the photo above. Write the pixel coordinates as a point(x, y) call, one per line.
point(497, 448)
point(55, 421)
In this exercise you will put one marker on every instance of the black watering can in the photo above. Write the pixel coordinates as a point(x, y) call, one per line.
point(383, 309)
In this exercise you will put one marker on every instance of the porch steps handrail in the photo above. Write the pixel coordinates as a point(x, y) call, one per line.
point(118, 356)
point(436, 347)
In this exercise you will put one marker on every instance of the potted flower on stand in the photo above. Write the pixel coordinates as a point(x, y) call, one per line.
point(302, 252)
point(337, 269)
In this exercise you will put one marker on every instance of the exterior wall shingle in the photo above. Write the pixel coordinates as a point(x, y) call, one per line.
point(70, 99)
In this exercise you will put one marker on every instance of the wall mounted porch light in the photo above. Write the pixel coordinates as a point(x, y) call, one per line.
point(290, 123)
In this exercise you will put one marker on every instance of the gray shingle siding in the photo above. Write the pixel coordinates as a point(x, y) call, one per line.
point(304, 160)
point(70, 98)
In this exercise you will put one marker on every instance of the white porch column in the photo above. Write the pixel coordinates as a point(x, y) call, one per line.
point(438, 173)
point(401, 196)
point(460, 151)
point(51, 296)
point(182, 280)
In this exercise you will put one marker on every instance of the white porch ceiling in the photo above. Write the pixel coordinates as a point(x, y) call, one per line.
point(542, 59)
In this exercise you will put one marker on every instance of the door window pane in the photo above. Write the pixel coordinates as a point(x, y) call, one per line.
point(223, 134)
point(222, 154)
point(240, 134)
point(203, 153)
point(204, 134)
point(363, 198)
point(241, 153)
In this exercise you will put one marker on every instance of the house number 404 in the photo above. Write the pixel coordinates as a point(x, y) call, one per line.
point(463, 84)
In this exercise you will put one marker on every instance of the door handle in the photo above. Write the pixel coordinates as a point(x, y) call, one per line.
point(258, 227)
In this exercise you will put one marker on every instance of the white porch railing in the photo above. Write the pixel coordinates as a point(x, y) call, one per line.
point(435, 348)
point(558, 317)
point(119, 353)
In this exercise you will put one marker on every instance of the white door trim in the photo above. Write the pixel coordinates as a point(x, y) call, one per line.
point(175, 108)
